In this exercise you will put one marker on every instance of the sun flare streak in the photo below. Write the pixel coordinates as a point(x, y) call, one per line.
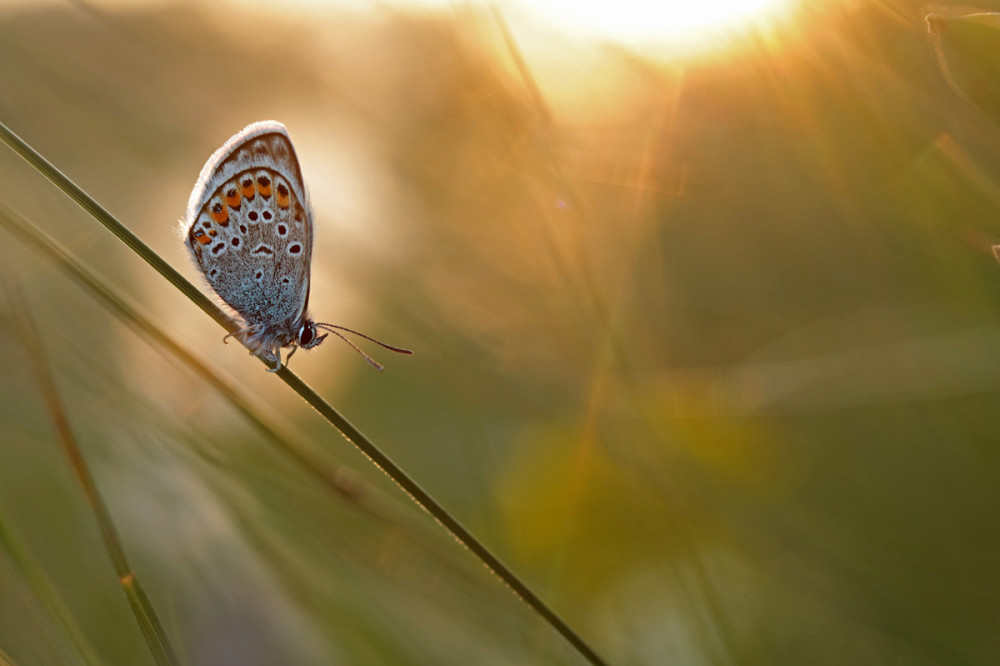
point(643, 20)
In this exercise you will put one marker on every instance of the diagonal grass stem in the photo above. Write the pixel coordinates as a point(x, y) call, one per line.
point(327, 411)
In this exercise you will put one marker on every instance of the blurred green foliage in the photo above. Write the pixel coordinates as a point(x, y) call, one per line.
point(706, 348)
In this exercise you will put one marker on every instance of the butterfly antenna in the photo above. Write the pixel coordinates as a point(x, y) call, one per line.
point(375, 364)
point(330, 327)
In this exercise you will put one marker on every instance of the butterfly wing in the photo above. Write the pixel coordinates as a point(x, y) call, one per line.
point(249, 228)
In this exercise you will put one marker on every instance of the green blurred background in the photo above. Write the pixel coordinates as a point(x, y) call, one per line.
point(706, 340)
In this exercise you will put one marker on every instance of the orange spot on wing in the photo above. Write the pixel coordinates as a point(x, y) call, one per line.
point(201, 236)
point(264, 186)
point(233, 197)
point(247, 186)
point(283, 196)
point(219, 213)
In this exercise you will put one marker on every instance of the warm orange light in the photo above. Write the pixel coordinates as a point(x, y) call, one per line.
point(651, 21)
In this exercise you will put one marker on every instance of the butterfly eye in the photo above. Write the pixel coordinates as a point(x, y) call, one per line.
point(306, 334)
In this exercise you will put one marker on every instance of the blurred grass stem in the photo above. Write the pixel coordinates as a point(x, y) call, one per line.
point(142, 607)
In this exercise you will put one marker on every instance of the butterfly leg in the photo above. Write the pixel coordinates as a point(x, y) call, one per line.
point(239, 335)
point(277, 355)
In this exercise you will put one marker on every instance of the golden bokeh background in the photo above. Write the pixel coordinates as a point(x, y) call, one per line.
point(706, 327)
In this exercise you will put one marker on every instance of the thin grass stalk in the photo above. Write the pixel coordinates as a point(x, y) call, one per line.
point(355, 436)
point(149, 623)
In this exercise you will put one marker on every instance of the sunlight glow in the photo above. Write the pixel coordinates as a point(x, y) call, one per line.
point(650, 20)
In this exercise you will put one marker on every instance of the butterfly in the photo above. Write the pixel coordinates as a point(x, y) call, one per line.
point(250, 230)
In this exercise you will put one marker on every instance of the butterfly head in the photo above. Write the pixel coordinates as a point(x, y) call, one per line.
point(307, 338)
